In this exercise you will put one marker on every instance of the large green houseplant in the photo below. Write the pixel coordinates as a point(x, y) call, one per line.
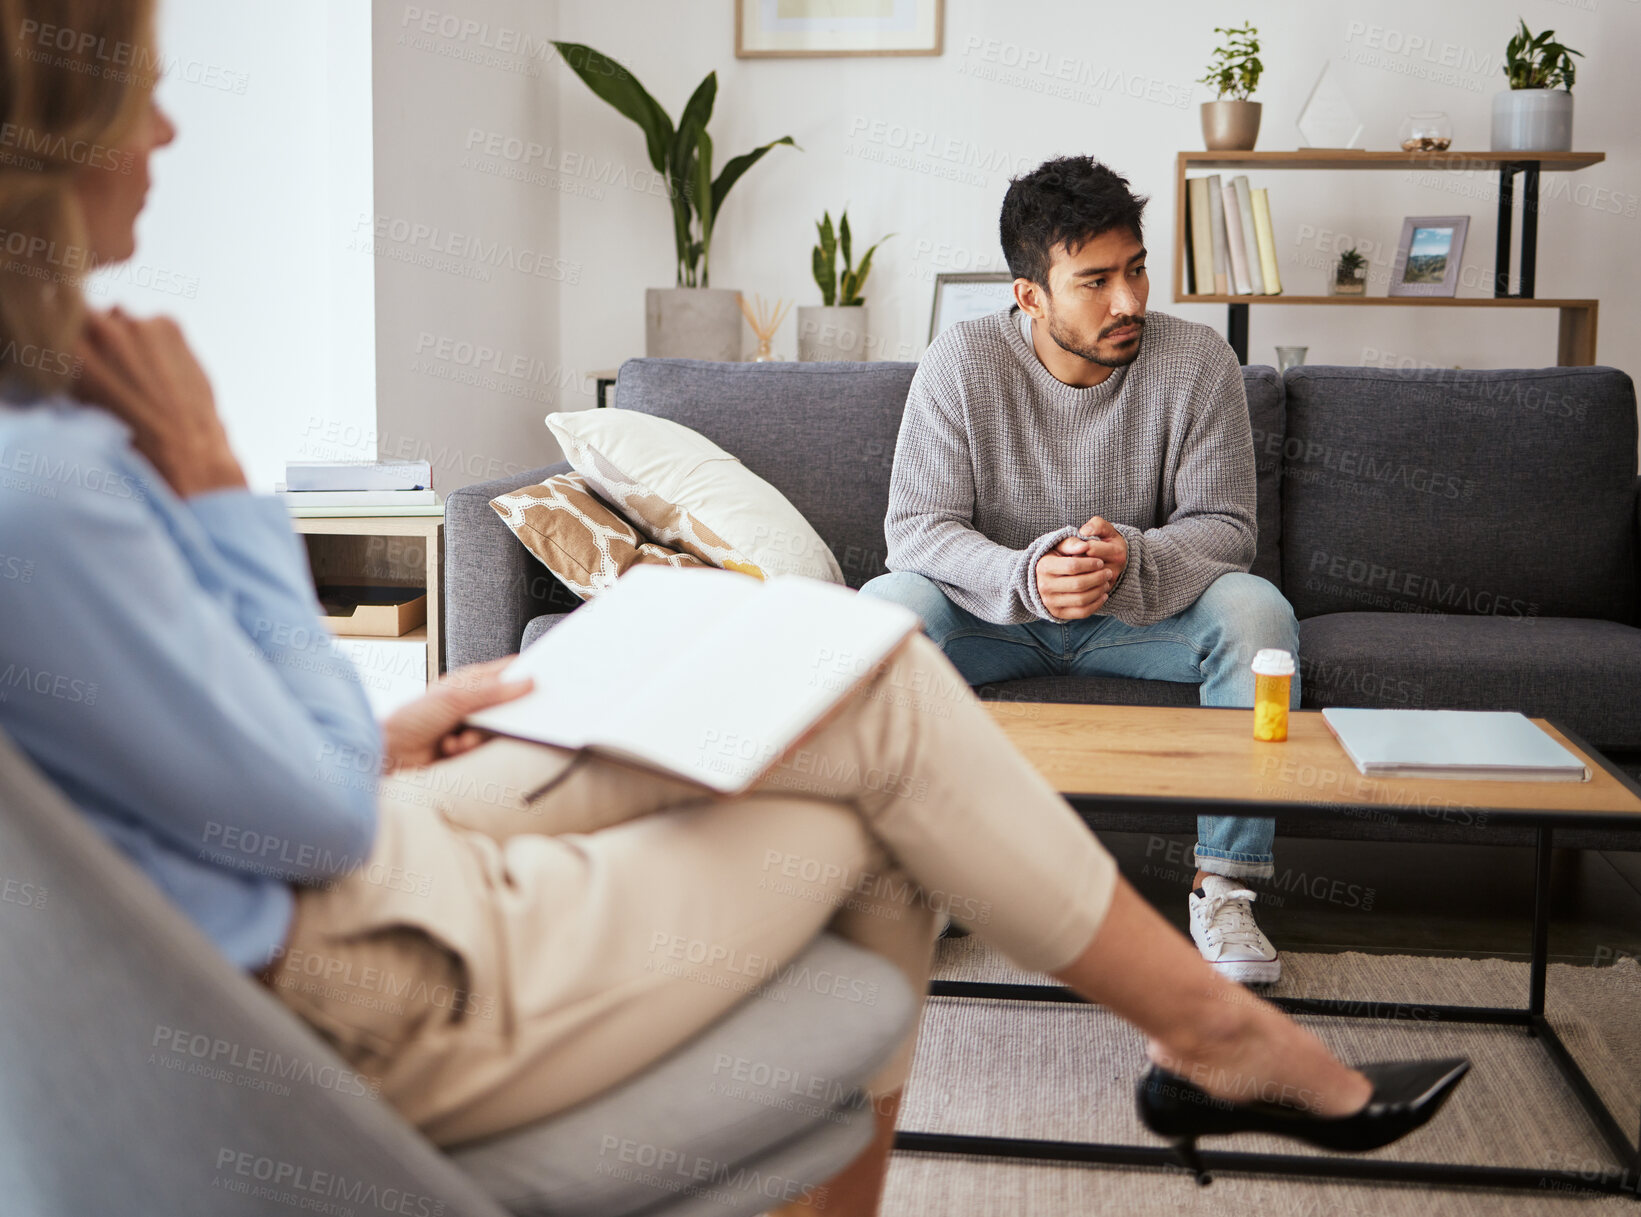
point(694, 319)
point(1536, 113)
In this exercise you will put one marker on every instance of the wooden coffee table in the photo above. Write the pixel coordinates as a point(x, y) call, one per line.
point(1206, 762)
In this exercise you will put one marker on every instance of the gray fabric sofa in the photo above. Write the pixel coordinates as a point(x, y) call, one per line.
point(141, 1073)
point(1448, 539)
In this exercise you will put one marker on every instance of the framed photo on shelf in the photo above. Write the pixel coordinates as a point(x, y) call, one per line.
point(1428, 256)
point(965, 297)
point(770, 29)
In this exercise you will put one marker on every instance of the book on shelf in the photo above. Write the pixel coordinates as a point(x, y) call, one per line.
point(433, 509)
point(358, 475)
point(1267, 240)
point(1216, 225)
point(766, 663)
point(1199, 232)
point(1190, 254)
point(354, 498)
point(1474, 744)
point(1250, 240)
point(1237, 253)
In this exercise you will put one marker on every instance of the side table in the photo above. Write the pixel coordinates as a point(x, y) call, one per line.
point(409, 553)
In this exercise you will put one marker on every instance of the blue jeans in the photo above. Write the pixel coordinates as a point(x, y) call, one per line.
point(1209, 645)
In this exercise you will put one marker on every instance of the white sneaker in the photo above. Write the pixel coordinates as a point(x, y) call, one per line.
point(1223, 927)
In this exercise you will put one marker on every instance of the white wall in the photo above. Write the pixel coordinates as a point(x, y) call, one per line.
point(468, 263)
point(925, 147)
point(519, 221)
point(245, 238)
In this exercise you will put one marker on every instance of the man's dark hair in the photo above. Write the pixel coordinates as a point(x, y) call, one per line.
point(1066, 201)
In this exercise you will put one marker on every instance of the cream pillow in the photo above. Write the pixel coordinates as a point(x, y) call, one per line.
point(683, 490)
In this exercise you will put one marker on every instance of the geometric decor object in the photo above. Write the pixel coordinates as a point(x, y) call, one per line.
point(1328, 119)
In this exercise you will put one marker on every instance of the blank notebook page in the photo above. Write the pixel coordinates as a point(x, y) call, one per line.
point(709, 674)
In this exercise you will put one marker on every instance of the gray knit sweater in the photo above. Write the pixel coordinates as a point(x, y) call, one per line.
point(998, 461)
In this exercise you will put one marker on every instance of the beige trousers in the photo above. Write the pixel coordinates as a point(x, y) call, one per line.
point(534, 926)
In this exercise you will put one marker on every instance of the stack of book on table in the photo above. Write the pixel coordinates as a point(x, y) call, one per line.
point(366, 488)
point(1229, 246)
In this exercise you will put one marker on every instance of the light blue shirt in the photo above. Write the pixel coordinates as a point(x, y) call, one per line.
point(162, 661)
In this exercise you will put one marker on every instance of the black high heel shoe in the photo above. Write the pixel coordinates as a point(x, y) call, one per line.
point(1406, 1094)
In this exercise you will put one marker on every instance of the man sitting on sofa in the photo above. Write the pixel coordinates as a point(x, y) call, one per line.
point(1073, 494)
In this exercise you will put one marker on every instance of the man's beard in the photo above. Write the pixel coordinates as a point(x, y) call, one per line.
point(1068, 341)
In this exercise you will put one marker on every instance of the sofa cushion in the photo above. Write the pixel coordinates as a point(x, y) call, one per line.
point(537, 626)
point(1509, 493)
point(685, 491)
point(1092, 691)
point(578, 536)
point(1268, 417)
point(1582, 673)
point(824, 434)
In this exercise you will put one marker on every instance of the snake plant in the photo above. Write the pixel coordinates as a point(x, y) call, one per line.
point(844, 290)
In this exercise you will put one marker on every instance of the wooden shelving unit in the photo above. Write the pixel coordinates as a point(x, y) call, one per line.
point(429, 529)
point(1575, 343)
point(1362, 158)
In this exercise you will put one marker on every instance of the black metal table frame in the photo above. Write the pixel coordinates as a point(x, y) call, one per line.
point(1623, 1178)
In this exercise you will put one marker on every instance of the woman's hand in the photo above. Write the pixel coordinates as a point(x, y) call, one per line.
point(430, 728)
point(142, 371)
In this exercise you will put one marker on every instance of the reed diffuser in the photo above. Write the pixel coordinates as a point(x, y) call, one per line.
point(764, 322)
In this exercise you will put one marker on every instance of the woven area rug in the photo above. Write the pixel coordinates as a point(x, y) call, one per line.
point(1067, 1072)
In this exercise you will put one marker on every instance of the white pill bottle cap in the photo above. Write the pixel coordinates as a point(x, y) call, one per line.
point(1273, 663)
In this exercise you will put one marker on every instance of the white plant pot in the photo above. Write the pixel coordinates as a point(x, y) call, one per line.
point(693, 323)
point(1533, 120)
point(835, 332)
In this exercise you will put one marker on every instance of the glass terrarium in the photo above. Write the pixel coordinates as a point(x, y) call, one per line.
point(1427, 131)
point(1349, 275)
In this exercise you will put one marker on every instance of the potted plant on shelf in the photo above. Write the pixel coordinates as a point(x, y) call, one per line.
point(1232, 122)
point(1536, 113)
point(835, 328)
point(693, 319)
point(1350, 276)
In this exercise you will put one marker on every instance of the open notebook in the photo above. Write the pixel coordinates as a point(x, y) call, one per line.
point(1501, 745)
point(704, 674)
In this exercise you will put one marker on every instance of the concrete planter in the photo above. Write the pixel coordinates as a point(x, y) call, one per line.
point(1230, 126)
point(831, 333)
point(1533, 120)
point(693, 323)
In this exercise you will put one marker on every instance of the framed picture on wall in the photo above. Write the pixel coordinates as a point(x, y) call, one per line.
point(766, 29)
point(1428, 255)
point(965, 297)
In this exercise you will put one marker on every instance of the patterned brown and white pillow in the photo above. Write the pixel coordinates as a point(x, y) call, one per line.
point(679, 487)
point(578, 536)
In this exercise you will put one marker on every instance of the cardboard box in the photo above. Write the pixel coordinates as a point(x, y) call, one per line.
point(381, 612)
